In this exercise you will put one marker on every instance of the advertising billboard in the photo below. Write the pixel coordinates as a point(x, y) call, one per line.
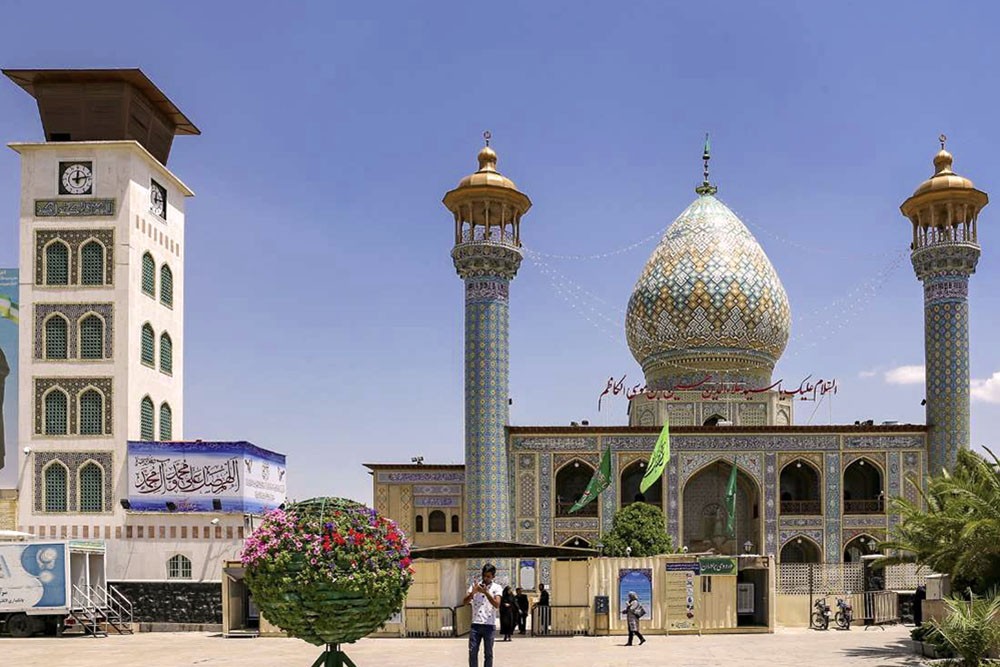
point(33, 575)
point(236, 477)
point(8, 369)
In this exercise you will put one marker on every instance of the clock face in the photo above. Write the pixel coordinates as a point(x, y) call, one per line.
point(158, 199)
point(76, 178)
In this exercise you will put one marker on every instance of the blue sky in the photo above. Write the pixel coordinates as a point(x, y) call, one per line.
point(324, 317)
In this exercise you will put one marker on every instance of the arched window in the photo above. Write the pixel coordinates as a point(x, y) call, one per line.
point(800, 550)
point(166, 422)
point(148, 275)
point(56, 338)
point(56, 487)
point(863, 488)
point(148, 345)
point(92, 263)
point(631, 477)
point(436, 522)
point(454, 523)
point(858, 547)
point(91, 413)
point(571, 481)
point(57, 264)
point(714, 420)
point(146, 419)
point(800, 489)
point(166, 353)
point(166, 286)
point(56, 412)
point(91, 488)
point(420, 523)
point(91, 337)
point(179, 567)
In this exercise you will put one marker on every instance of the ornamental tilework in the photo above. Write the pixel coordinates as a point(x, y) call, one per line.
point(673, 500)
point(815, 458)
point(386, 477)
point(583, 523)
point(832, 468)
point(729, 443)
point(73, 387)
point(557, 444)
point(559, 460)
point(874, 457)
point(609, 501)
point(748, 463)
point(437, 490)
point(566, 538)
point(884, 442)
point(545, 571)
point(73, 312)
point(786, 536)
point(73, 462)
point(436, 501)
point(895, 483)
point(856, 521)
point(526, 494)
point(75, 238)
point(545, 499)
point(911, 475)
point(801, 522)
point(851, 533)
point(406, 510)
point(770, 503)
point(709, 409)
point(382, 500)
point(487, 488)
point(526, 461)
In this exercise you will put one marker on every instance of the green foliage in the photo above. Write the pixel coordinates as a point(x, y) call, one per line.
point(956, 529)
point(971, 629)
point(640, 526)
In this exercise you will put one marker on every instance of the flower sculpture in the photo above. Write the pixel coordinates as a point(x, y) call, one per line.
point(327, 570)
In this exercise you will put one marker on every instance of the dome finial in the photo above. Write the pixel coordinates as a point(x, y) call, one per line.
point(943, 160)
point(487, 135)
point(487, 157)
point(706, 188)
point(942, 138)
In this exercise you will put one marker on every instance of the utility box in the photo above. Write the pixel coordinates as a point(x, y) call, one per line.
point(938, 586)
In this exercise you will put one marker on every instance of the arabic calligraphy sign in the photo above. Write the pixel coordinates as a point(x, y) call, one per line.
point(712, 389)
point(200, 476)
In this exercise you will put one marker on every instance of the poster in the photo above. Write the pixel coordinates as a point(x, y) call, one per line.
point(236, 477)
point(33, 575)
point(680, 596)
point(640, 582)
point(8, 370)
point(526, 574)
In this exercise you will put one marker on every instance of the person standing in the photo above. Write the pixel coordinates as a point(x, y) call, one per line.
point(508, 613)
point(522, 609)
point(633, 610)
point(484, 595)
point(544, 613)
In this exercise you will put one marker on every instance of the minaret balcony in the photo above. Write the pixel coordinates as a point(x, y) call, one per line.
point(477, 236)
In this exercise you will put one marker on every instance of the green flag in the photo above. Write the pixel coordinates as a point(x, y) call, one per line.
point(600, 481)
point(658, 461)
point(731, 501)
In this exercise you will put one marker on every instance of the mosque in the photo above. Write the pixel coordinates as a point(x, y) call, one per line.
point(707, 321)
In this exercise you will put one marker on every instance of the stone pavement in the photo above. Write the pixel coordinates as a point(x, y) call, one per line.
point(874, 648)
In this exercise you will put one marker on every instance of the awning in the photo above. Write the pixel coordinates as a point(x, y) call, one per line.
point(502, 550)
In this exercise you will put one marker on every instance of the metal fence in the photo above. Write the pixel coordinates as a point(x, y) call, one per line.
point(559, 620)
point(430, 622)
point(844, 578)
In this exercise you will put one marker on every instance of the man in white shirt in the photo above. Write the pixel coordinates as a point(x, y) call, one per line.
point(485, 598)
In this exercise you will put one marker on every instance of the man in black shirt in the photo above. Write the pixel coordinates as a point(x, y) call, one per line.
point(522, 609)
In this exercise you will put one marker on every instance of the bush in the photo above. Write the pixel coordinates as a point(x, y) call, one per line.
point(971, 629)
point(640, 526)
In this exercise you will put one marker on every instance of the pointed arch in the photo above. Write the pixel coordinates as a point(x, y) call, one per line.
point(801, 549)
point(91, 411)
point(571, 480)
point(705, 514)
point(629, 485)
point(179, 567)
point(859, 546)
point(166, 353)
point(863, 490)
point(146, 419)
point(55, 331)
point(90, 485)
point(91, 337)
point(455, 524)
point(55, 491)
point(56, 269)
point(800, 489)
point(148, 274)
point(166, 286)
point(420, 523)
point(92, 262)
point(578, 542)
point(436, 522)
point(166, 422)
point(56, 408)
point(714, 420)
point(148, 345)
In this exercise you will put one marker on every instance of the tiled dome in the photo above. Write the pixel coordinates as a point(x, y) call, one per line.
point(708, 302)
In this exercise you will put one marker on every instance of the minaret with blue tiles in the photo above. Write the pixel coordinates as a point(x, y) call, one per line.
point(487, 209)
point(944, 212)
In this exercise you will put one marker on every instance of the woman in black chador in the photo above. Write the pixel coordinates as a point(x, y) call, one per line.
point(508, 613)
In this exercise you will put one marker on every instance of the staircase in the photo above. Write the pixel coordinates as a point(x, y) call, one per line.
point(98, 610)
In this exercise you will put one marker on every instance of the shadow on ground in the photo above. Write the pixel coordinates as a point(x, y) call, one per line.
point(902, 649)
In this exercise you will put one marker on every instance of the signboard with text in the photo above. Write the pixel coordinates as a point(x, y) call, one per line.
point(718, 566)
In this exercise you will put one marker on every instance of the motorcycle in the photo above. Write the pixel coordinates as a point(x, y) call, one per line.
point(845, 614)
point(821, 617)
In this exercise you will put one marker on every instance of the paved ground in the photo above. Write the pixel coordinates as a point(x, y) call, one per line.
point(874, 648)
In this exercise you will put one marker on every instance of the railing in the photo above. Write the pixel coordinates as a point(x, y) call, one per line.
point(508, 239)
point(430, 622)
point(881, 607)
point(559, 620)
point(85, 611)
point(801, 507)
point(563, 508)
point(871, 506)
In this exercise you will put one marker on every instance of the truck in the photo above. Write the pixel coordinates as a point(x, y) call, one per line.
point(55, 585)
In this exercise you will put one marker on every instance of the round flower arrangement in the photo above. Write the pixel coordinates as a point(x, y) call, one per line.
point(327, 570)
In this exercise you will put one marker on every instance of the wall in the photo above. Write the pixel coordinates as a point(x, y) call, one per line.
point(169, 602)
point(8, 509)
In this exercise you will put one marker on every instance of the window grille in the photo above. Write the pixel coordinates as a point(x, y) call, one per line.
point(55, 488)
point(166, 422)
point(92, 262)
point(91, 413)
point(57, 264)
point(55, 337)
point(146, 420)
point(148, 345)
point(91, 338)
point(91, 488)
point(166, 354)
point(148, 275)
point(55, 413)
point(166, 286)
point(179, 567)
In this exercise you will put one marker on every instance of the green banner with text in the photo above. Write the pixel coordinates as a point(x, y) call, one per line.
point(717, 567)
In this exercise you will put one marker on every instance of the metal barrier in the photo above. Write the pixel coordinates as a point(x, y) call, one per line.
point(463, 620)
point(430, 622)
point(880, 608)
point(559, 620)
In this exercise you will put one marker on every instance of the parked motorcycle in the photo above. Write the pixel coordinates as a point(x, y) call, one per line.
point(821, 617)
point(845, 614)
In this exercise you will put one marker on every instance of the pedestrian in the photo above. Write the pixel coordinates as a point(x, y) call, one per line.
point(508, 613)
point(522, 609)
point(544, 613)
point(484, 595)
point(633, 610)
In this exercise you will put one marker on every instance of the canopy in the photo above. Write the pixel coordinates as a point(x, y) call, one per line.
point(501, 549)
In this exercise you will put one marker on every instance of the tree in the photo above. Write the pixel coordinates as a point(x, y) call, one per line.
point(956, 529)
point(640, 526)
point(971, 628)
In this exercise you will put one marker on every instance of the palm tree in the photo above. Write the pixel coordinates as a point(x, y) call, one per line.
point(956, 529)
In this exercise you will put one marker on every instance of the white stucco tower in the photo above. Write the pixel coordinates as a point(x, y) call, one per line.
point(102, 307)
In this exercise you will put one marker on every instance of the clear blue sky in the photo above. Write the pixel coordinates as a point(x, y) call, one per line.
point(324, 317)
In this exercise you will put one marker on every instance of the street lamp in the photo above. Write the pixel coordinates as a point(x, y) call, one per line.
point(747, 547)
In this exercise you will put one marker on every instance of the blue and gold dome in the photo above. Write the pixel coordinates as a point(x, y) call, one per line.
point(708, 302)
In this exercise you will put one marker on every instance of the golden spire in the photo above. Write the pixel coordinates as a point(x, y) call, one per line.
point(487, 157)
point(706, 188)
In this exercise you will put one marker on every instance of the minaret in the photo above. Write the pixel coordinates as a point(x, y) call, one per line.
point(945, 249)
point(487, 208)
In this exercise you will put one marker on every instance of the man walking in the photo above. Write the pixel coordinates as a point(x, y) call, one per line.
point(522, 609)
point(544, 613)
point(485, 598)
